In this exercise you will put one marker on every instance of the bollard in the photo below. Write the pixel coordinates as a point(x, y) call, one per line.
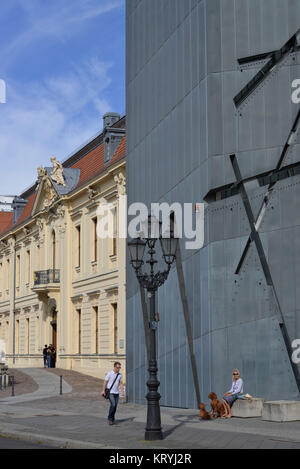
point(12, 386)
point(60, 387)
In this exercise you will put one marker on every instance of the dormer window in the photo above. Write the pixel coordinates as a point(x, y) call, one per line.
point(106, 150)
point(112, 136)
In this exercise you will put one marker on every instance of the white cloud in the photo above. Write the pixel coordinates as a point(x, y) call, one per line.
point(51, 117)
point(55, 20)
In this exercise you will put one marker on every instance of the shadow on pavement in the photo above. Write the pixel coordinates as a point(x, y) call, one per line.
point(131, 419)
point(182, 419)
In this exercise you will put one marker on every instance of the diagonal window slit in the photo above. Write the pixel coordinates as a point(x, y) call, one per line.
point(292, 45)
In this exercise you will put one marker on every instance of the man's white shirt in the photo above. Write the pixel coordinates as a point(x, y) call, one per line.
point(110, 377)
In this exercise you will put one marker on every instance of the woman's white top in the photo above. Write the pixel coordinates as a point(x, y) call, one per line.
point(237, 387)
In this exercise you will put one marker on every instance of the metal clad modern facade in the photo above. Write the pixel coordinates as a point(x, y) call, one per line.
point(182, 126)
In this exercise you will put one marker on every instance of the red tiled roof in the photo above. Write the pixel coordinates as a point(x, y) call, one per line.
point(6, 221)
point(90, 165)
point(93, 163)
point(27, 209)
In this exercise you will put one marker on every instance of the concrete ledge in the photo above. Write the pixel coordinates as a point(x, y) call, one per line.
point(246, 408)
point(281, 411)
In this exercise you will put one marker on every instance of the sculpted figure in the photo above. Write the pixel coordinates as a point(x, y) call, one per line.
point(50, 193)
point(120, 179)
point(41, 173)
point(57, 173)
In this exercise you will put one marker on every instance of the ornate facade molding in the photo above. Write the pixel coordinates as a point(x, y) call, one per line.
point(120, 179)
point(92, 192)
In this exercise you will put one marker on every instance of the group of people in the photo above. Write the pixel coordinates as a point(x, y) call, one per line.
point(49, 355)
point(114, 383)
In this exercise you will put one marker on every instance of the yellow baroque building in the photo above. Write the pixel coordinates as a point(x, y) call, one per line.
point(60, 282)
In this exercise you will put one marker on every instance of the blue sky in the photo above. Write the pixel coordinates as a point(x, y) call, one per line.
point(63, 62)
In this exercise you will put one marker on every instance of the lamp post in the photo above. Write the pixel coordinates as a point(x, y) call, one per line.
point(152, 281)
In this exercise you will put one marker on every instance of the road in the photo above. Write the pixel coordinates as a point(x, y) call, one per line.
point(8, 443)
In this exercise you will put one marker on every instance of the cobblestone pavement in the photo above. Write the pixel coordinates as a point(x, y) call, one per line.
point(83, 386)
point(48, 385)
point(24, 384)
point(81, 422)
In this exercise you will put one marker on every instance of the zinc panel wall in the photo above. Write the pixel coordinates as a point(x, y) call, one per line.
point(182, 125)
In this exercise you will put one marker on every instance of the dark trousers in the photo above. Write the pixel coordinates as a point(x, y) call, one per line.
point(45, 361)
point(113, 398)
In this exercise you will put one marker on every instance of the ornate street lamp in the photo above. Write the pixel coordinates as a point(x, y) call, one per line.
point(152, 281)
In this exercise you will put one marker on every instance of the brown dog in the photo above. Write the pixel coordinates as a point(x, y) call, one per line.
point(203, 414)
point(217, 408)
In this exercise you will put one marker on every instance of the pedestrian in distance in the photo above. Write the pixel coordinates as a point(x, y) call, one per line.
point(49, 356)
point(113, 382)
point(45, 355)
point(52, 357)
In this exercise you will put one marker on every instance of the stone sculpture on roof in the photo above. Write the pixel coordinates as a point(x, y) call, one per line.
point(51, 194)
point(57, 173)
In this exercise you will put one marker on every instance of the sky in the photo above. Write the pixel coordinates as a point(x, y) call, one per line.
point(63, 66)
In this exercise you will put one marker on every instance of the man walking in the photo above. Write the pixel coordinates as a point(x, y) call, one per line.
point(113, 381)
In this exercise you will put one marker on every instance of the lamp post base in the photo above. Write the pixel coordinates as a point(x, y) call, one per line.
point(153, 435)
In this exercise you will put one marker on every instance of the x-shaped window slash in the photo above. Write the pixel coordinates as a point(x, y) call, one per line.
point(268, 178)
point(276, 57)
point(268, 193)
point(262, 257)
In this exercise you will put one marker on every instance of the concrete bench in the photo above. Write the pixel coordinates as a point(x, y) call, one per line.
point(281, 411)
point(245, 408)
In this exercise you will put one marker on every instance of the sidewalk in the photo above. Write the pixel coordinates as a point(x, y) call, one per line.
point(80, 421)
point(48, 386)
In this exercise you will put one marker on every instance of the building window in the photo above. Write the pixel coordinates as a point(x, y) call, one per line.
point(8, 274)
point(79, 330)
point(28, 267)
point(37, 335)
point(18, 268)
point(78, 244)
point(27, 336)
point(17, 336)
point(96, 319)
point(115, 232)
point(37, 260)
point(95, 239)
point(7, 337)
point(115, 327)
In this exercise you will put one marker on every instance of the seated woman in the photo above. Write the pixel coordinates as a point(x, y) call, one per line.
point(233, 393)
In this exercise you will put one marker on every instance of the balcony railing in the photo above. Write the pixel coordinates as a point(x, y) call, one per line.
point(44, 277)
